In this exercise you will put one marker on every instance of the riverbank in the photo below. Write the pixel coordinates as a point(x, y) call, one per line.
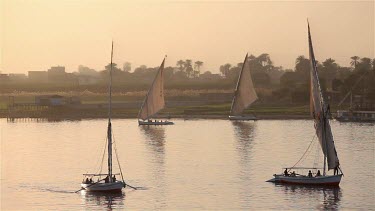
point(215, 111)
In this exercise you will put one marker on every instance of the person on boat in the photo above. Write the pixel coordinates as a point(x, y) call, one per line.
point(90, 180)
point(106, 179)
point(318, 173)
point(286, 172)
point(114, 178)
point(336, 171)
point(87, 181)
point(310, 174)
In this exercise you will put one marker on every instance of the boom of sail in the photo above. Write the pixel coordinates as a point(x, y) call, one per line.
point(245, 93)
point(320, 113)
point(154, 100)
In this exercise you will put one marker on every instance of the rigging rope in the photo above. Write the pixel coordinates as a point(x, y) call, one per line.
point(105, 148)
point(304, 153)
point(118, 162)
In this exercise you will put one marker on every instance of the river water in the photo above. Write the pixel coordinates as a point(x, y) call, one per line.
point(194, 164)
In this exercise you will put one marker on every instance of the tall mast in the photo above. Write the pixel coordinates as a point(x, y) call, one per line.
point(109, 131)
point(324, 136)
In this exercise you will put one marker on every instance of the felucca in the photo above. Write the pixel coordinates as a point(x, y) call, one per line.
point(109, 182)
point(244, 94)
point(320, 113)
point(154, 101)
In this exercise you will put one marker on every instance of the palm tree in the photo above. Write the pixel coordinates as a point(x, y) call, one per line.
point(300, 59)
point(302, 65)
point(264, 59)
point(188, 67)
point(197, 66)
point(354, 61)
point(224, 69)
point(180, 64)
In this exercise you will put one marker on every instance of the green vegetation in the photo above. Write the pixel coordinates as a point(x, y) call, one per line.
point(280, 91)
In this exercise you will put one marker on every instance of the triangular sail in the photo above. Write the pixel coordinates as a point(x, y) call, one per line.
point(154, 100)
point(245, 93)
point(320, 111)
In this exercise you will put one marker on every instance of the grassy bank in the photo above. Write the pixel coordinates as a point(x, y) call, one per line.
point(205, 111)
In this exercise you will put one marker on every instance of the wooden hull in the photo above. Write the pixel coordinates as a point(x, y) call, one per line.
point(140, 122)
point(242, 118)
point(332, 180)
point(104, 187)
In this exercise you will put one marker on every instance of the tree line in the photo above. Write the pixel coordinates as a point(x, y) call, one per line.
point(272, 82)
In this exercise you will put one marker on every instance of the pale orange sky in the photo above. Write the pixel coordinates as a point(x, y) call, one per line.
point(37, 34)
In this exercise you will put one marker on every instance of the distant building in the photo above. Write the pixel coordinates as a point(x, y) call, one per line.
point(4, 77)
point(49, 100)
point(87, 79)
point(38, 76)
point(56, 74)
point(56, 100)
point(17, 77)
point(74, 100)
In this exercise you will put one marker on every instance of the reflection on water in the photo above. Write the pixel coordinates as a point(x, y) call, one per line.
point(244, 141)
point(244, 131)
point(194, 165)
point(328, 198)
point(155, 136)
point(155, 141)
point(108, 201)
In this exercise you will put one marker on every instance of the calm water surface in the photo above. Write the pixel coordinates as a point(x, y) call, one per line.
point(195, 164)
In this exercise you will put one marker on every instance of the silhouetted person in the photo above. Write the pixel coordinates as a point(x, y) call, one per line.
point(90, 180)
point(106, 179)
point(336, 171)
point(114, 178)
point(293, 174)
point(286, 172)
point(87, 181)
point(310, 174)
point(318, 173)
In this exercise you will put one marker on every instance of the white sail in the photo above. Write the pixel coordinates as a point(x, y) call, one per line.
point(154, 100)
point(245, 93)
point(320, 111)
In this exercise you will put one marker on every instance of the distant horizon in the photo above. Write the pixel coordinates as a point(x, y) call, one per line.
point(39, 34)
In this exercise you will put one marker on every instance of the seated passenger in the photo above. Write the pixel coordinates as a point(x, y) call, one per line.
point(293, 174)
point(310, 174)
point(286, 172)
point(318, 173)
point(87, 181)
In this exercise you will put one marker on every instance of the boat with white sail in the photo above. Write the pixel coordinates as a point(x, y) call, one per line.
point(244, 94)
point(320, 113)
point(98, 182)
point(154, 101)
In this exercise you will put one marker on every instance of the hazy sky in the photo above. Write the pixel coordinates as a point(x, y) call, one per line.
point(37, 34)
